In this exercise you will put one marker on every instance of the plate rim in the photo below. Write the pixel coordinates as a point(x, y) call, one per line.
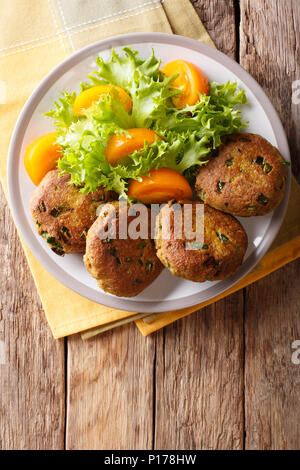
point(121, 303)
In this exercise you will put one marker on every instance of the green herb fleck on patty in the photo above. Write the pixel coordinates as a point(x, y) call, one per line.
point(262, 199)
point(84, 233)
point(267, 168)
point(128, 260)
point(140, 262)
point(220, 185)
point(141, 245)
point(113, 251)
point(58, 251)
point(222, 237)
point(259, 160)
point(229, 162)
point(64, 234)
point(42, 207)
point(148, 266)
point(118, 262)
point(52, 241)
point(55, 212)
point(202, 193)
point(286, 163)
point(252, 208)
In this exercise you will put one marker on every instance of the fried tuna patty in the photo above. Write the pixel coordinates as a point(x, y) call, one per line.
point(220, 255)
point(246, 178)
point(122, 267)
point(62, 214)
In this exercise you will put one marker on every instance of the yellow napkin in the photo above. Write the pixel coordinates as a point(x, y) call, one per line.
point(32, 42)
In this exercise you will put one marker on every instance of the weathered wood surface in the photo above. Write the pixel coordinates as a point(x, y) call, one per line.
point(269, 50)
point(272, 381)
point(199, 380)
point(219, 379)
point(110, 391)
point(219, 19)
point(32, 398)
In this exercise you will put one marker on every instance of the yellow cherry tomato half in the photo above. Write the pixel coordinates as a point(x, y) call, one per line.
point(119, 146)
point(161, 186)
point(87, 97)
point(191, 81)
point(41, 156)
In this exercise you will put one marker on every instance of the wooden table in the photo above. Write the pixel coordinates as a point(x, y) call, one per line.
point(223, 378)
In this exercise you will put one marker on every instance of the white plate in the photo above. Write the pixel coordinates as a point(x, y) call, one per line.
point(167, 292)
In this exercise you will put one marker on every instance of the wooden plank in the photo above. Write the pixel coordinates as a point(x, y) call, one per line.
point(110, 391)
point(218, 17)
point(31, 361)
point(272, 381)
point(199, 379)
point(270, 40)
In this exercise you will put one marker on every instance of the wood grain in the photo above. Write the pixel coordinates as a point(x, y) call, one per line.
point(110, 391)
point(199, 380)
point(270, 50)
point(218, 17)
point(272, 381)
point(199, 376)
point(31, 361)
point(272, 322)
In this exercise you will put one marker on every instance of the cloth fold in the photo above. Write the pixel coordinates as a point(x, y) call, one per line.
point(33, 41)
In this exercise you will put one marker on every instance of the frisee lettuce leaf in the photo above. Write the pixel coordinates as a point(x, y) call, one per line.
point(188, 133)
point(62, 113)
point(142, 79)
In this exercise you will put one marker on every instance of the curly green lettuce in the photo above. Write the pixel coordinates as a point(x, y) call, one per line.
point(188, 134)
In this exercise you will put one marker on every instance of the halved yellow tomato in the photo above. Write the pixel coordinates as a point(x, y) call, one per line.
point(191, 81)
point(161, 186)
point(87, 97)
point(41, 156)
point(119, 146)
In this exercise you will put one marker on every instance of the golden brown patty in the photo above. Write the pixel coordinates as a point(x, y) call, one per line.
point(221, 254)
point(123, 267)
point(62, 214)
point(246, 178)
